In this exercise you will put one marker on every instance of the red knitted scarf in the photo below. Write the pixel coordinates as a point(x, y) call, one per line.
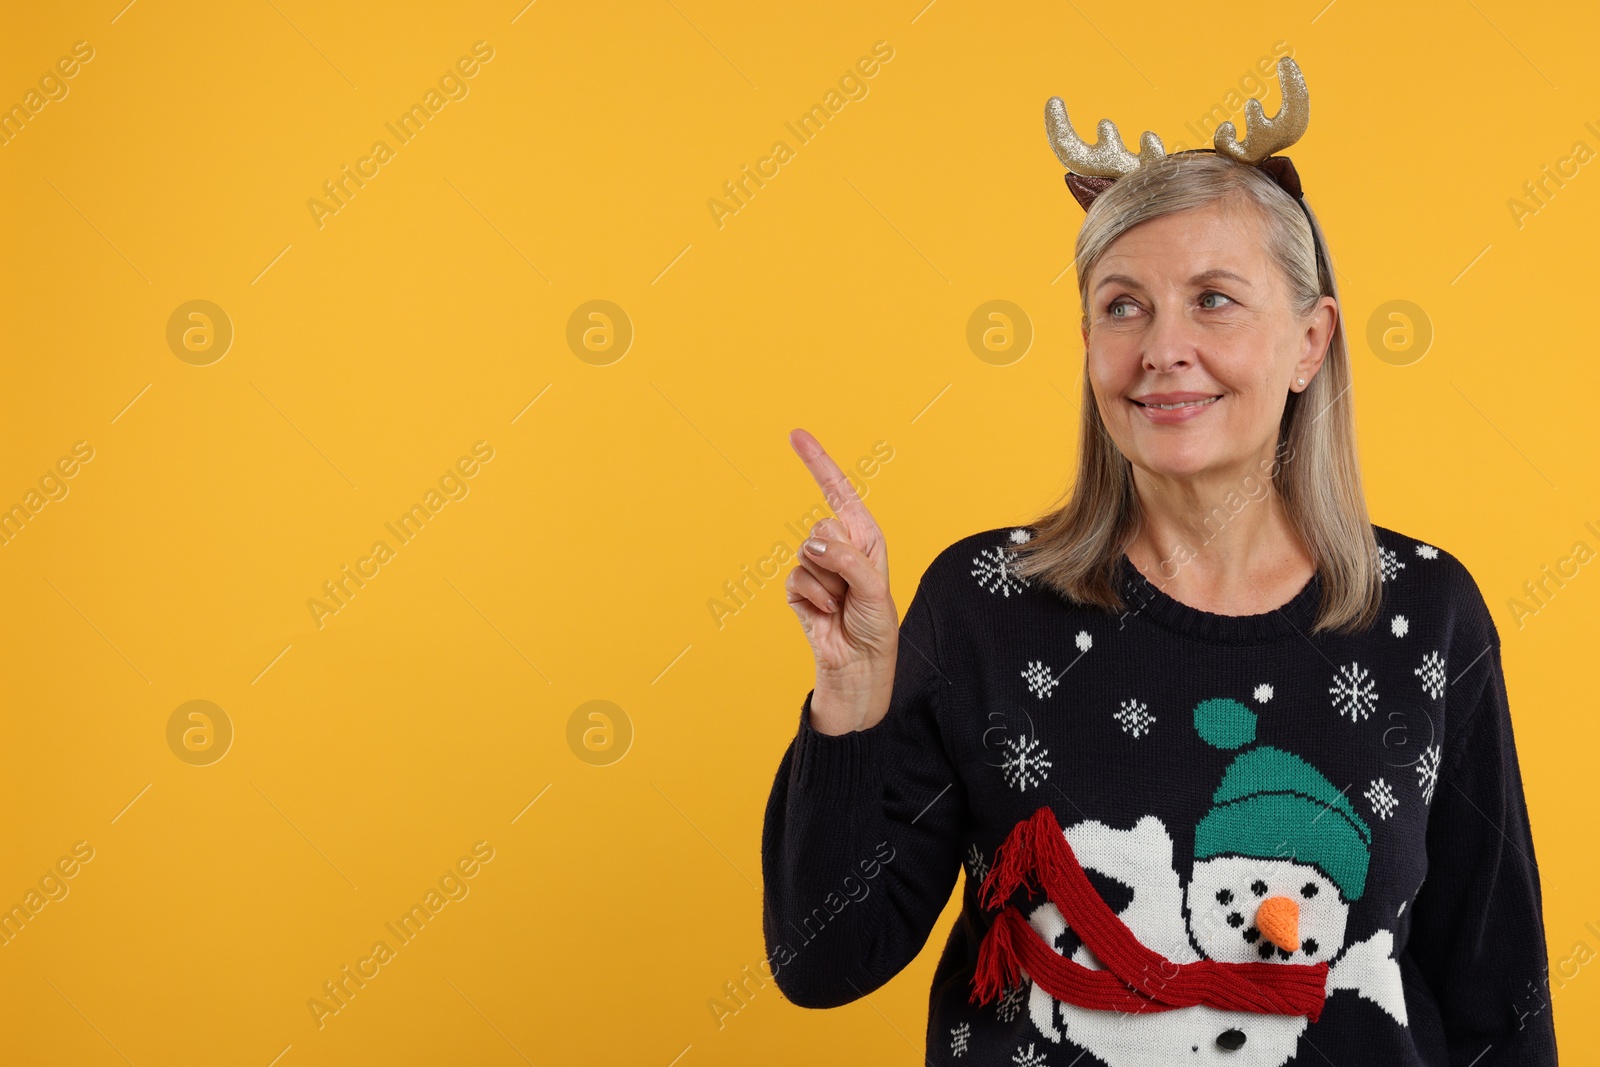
point(1138, 979)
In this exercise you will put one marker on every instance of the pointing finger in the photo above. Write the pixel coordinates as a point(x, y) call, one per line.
point(837, 491)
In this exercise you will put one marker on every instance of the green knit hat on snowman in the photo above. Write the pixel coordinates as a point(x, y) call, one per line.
point(1272, 804)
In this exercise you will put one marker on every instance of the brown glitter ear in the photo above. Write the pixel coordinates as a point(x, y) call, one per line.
point(1086, 187)
point(1283, 172)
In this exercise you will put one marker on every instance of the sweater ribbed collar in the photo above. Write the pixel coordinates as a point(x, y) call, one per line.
point(1146, 598)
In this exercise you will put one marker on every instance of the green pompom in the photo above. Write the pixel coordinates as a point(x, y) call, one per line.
point(1224, 722)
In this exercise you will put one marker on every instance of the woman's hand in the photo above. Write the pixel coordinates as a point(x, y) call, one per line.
point(841, 595)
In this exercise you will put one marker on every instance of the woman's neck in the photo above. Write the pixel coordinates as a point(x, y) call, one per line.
point(1235, 556)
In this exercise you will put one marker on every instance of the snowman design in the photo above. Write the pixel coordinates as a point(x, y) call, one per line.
point(1279, 859)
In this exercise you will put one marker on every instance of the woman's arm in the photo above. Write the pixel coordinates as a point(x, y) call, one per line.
point(1478, 929)
point(861, 843)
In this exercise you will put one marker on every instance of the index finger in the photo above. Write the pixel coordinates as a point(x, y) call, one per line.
point(837, 491)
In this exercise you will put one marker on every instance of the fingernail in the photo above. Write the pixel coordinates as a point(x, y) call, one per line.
point(816, 546)
point(833, 605)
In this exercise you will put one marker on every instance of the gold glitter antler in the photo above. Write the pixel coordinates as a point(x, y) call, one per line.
point(1108, 157)
point(1264, 136)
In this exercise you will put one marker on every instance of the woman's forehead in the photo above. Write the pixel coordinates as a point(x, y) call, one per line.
point(1206, 276)
point(1195, 246)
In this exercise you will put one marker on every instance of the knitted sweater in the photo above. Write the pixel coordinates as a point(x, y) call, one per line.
point(1203, 838)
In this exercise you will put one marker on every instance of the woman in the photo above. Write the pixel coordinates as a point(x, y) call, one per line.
point(1229, 768)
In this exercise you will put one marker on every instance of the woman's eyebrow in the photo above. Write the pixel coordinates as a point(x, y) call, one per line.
point(1218, 272)
point(1199, 279)
point(1114, 279)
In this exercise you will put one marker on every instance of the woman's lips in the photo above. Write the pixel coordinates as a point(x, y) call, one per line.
point(1189, 409)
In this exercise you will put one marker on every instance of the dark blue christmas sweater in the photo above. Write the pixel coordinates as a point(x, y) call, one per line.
point(1234, 789)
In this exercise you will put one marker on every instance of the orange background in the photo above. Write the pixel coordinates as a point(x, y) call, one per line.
point(372, 347)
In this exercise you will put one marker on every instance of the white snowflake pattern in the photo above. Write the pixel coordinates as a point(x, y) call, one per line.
point(1399, 626)
point(1040, 679)
point(992, 568)
point(1432, 674)
point(1381, 796)
point(1135, 717)
point(1029, 1058)
point(977, 864)
point(1428, 772)
point(1389, 564)
point(1026, 764)
point(1427, 551)
point(958, 1038)
point(1263, 692)
point(1021, 535)
point(1354, 692)
point(1011, 1001)
point(1084, 641)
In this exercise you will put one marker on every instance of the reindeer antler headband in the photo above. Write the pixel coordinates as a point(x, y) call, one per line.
point(1093, 168)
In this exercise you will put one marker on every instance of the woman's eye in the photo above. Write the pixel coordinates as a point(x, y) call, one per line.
point(1114, 306)
point(1203, 297)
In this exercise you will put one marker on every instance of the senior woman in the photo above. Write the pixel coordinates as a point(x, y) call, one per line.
point(1229, 768)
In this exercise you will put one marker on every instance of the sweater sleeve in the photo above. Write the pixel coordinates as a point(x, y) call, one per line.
point(1478, 930)
point(860, 845)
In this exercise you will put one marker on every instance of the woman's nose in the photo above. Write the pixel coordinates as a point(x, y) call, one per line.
point(1169, 339)
point(1278, 919)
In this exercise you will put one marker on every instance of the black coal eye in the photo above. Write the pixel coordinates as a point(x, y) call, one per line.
point(1308, 890)
point(1258, 887)
point(1224, 896)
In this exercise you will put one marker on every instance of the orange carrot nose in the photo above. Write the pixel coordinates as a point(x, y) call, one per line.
point(1279, 919)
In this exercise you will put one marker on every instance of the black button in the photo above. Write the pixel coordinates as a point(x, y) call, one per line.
point(1231, 1039)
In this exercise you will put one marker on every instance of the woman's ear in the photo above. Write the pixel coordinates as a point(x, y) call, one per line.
point(1317, 338)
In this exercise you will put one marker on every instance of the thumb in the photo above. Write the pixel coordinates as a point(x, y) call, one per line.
point(843, 558)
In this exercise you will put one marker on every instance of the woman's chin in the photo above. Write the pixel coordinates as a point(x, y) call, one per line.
point(1178, 462)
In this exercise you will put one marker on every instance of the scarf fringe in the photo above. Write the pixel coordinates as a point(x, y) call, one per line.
point(998, 966)
point(1015, 861)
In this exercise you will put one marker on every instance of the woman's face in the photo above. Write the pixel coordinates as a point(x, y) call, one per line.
point(1189, 307)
